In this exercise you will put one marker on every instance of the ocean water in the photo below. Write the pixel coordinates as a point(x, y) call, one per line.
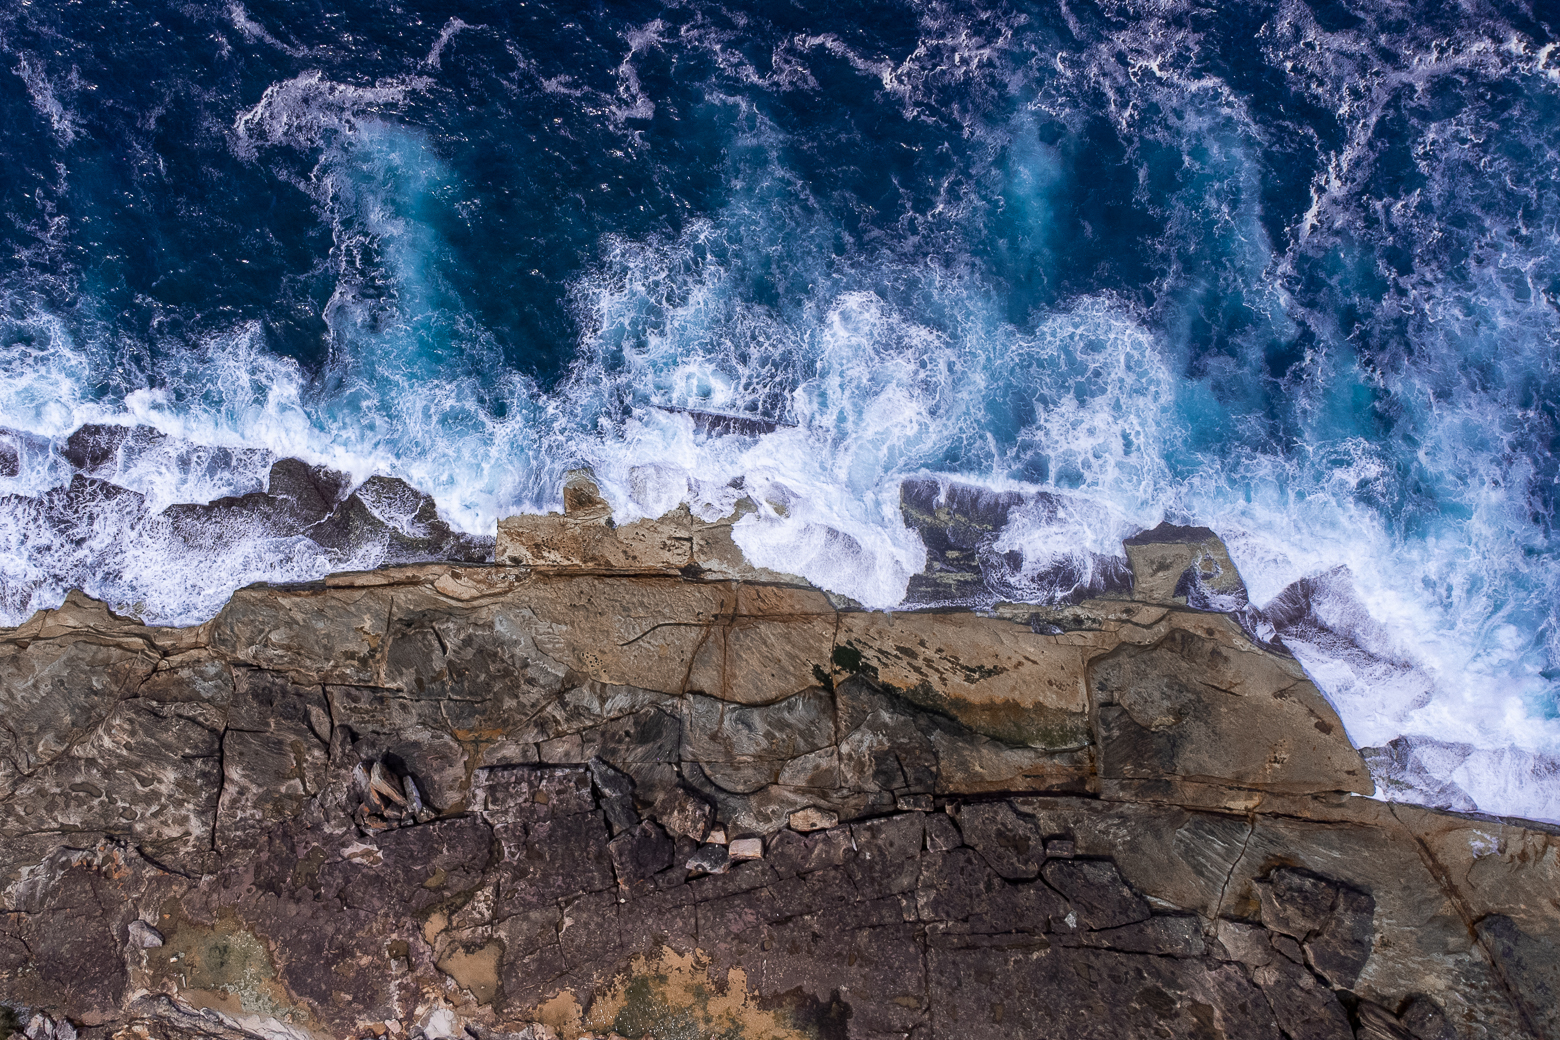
point(1288, 270)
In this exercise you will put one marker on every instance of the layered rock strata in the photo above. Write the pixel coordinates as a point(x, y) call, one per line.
point(622, 782)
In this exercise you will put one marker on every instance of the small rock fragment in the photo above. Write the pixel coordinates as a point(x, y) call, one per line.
point(144, 936)
point(42, 1027)
point(1248, 943)
point(712, 859)
point(717, 836)
point(1289, 948)
point(684, 813)
point(381, 782)
point(617, 794)
point(414, 803)
point(746, 848)
point(1060, 848)
point(319, 722)
point(812, 819)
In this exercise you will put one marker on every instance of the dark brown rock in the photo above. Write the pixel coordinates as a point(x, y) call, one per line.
point(1096, 892)
point(1530, 967)
point(1334, 921)
point(1010, 842)
point(1307, 1009)
point(640, 852)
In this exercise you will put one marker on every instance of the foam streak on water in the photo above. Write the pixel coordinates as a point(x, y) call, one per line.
point(1292, 272)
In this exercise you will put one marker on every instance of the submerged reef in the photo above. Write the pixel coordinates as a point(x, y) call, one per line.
point(622, 782)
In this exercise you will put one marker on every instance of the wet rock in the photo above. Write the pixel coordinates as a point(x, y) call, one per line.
point(1401, 766)
point(10, 455)
point(401, 521)
point(309, 492)
point(92, 448)
point(960, 524)
point(1184, 565)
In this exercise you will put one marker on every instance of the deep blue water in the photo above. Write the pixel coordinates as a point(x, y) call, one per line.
point(1288, 270)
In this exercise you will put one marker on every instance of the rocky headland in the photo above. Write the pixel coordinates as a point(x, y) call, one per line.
point(620, 781)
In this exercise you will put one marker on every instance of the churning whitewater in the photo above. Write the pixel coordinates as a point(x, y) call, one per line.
point(1290, 271)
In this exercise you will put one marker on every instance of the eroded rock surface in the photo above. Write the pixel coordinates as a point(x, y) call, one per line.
point(650, 796)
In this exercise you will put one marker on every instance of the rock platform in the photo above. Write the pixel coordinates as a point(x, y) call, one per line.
point(622, 783)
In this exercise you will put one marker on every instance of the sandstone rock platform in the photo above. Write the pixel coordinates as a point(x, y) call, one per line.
point(623, 783)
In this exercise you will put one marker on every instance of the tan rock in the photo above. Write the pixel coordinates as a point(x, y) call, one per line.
point(322, 635)
point(57, 690)
point(1196, 707)
point(635, 631)
point(998, 678)
point(746, 848)
point(1161, 557)
point(774, 642)
point(813, 819)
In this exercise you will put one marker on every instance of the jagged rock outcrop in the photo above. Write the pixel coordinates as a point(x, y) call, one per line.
point(95, 470)
point(644, 789)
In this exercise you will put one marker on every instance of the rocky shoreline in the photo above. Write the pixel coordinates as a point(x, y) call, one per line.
point(620, 781)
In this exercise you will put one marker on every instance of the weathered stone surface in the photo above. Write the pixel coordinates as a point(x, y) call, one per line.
point(56, 691)
point(584, 539)
point(1003, 681)
point(1184, 565)
point(1204, 708)
point(960, 525)
point(935, 860)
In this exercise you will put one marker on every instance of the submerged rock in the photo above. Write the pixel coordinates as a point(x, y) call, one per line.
point(961, 527)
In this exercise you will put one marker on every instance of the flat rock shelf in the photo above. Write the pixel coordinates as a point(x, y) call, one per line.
point(622, 783)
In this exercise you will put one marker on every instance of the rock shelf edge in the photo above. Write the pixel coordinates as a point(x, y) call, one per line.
point(620, 782)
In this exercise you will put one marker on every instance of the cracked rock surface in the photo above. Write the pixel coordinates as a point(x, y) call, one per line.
point(642, 791)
